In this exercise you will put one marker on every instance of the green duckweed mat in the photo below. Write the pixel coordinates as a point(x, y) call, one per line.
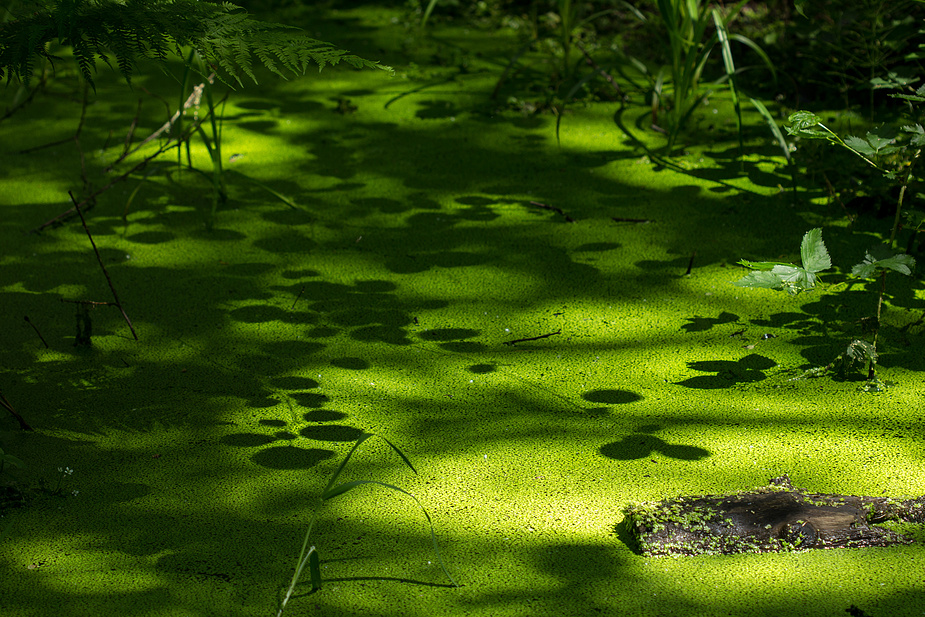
point(387, 299)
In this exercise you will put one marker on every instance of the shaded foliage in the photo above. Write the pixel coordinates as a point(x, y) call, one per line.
point(132, 29)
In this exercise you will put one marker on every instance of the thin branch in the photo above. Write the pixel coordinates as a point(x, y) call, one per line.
point(88, 302)
point(607, 76)
point(532, 338)
point(553, 209)
point(100, 259)
point(6, 405)
point(192, 101)
point(168, 146)
point(28, 321)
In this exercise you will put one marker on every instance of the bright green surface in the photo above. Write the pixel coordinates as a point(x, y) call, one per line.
point(383, 305)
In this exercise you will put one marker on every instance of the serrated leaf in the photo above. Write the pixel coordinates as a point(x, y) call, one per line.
point(898, 263)
point(761, 265)
point(880, 258)
point(803, 119)
point(880, 144)
point(860, 145)
point(861, 351)
point(795, 280)
point(814, 255)
point(909, 97)
point(760, 279)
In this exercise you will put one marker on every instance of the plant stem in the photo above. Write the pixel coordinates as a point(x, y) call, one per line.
point(893, 232)
point(100, 260)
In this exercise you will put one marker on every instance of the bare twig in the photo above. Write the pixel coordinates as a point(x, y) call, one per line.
point(554, 209)
point(28, 321)
point(168, 146)
point(6, 405)
point(301, 291)
point(88, 302)
point(100, 259)
point(191, 101)
point(532, 338)
point(607, 76)
point(690, 264)
point(16, 107)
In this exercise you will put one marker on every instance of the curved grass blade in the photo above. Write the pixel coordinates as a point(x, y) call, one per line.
point(340, 468)
point(347, 486)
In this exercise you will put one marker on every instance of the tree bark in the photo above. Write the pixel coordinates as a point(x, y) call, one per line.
point(774, 518)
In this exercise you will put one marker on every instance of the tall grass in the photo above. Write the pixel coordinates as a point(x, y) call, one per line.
point(308, 556)
point(678, 86)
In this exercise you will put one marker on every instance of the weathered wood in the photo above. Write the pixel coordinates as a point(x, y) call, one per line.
point(768, 519)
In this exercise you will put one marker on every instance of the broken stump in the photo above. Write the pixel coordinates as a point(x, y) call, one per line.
point(773, 518)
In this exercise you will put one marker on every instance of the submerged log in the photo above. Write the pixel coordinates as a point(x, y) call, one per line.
point(773, 518)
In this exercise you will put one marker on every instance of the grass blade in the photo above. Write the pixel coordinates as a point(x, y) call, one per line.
point(363, 437)
point(314, 569)
point(775, 130)
point(729, 64)
point(347, 486)
point(303, 559)
point(289, 202)
point(428, 11)
point(399, 453)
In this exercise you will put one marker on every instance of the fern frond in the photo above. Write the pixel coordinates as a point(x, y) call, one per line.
point(129, 30)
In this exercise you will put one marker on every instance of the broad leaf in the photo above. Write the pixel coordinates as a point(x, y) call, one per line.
point(861, 351)
point(760, 279)
point(880, 258)
point(787, 277)
point(860, 145)
point(813, 252)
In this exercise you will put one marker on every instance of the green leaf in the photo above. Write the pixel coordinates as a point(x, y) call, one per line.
point(880, 258)
point(861, 351)
point(314, 569)
point(12, 460)
point(813, 252)
point(802, 121)
point(860, 145)
point(760, 279)
point(762, 265)
point(363, 437)
point(787, 277)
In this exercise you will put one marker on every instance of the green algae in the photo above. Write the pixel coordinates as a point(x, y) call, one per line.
point(384, 305)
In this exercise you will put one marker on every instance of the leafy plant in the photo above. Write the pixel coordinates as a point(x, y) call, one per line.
point(678, 87)
point(308, 556)
point(815, 258)
point(783, 276)
point(847, 43)
point(892, 152)
point(223, 34)
point(215, 40)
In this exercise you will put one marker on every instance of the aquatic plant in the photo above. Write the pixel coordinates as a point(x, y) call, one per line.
point(217, 41)
point(678, 87)
point(793, 279)
point(308, 556)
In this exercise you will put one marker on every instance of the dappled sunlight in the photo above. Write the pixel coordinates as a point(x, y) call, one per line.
point(549, 331)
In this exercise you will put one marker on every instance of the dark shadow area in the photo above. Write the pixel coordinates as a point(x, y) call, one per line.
point(642, 445)
point(701, 324)
point(259, 343)
point(728, 373)
point(611, 397)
